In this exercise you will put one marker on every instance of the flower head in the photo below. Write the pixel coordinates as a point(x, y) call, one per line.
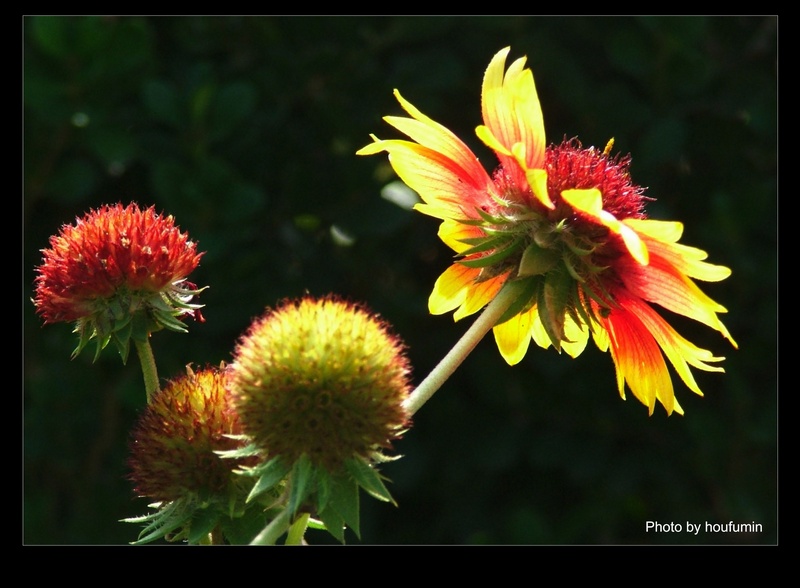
point(174, 443)
point(118, 272)
point(319, 386)
point(176, 459)
point(566, 228)
point(321, 378)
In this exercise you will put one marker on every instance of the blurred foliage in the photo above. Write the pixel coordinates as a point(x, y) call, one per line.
point(245, 130)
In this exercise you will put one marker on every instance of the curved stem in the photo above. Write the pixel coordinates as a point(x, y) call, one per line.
point(148, 362)
point(482, 325)
point(269, 535)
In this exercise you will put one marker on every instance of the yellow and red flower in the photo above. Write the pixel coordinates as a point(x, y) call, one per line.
point(565, 227)
point(118, 272)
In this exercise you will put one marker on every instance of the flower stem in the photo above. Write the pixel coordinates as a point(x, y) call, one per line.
point(269, 535)
point(487, 319)
point(148, 362)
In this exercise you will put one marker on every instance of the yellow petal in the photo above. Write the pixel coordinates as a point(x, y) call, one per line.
point(600, 338)
point(438, 166)
point(437, 138)
point(511, 109)
point(538, 332)
point(513, 337)
point(453, 233)
point(590, 203)
point(688, 260)
point(450, 289)
point(537, 180)
point(577, 335)
point(442, 185)
point(667, 231)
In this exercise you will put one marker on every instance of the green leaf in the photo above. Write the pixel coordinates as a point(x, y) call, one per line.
point(301, 482)
point(102, 341)
point(297, 530)
point(527, 290)
point(481, 244)
point(334, 523)
point(368, 478)
point(168, 321)
point(552, 305)
point(203, 522)
point(345, 501)
point(491, 219)
point(123, 344)
point(169, 517)
point(271, 474)
point(316, 524)
point(324, 483)
point(536, 260)
point(248, 450)
point(495, 257)
point(141, 326)
point(583, 312)
point(124, 329)
point(580, 251)
point(85, 333)
point(242, 530)
point(568, 263)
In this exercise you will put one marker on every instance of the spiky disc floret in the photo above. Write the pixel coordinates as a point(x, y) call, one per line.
point(119, 273)
point(571, 166)
point(174, 442)
point(321, 378)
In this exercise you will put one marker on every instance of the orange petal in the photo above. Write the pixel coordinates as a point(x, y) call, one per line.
point(662, 283)
point(680, 352)
point(638, 360)
point(479, 295)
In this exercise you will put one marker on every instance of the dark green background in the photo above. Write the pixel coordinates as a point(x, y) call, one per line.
point(245, 129)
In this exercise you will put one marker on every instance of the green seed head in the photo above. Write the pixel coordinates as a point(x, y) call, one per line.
point(322, 378)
